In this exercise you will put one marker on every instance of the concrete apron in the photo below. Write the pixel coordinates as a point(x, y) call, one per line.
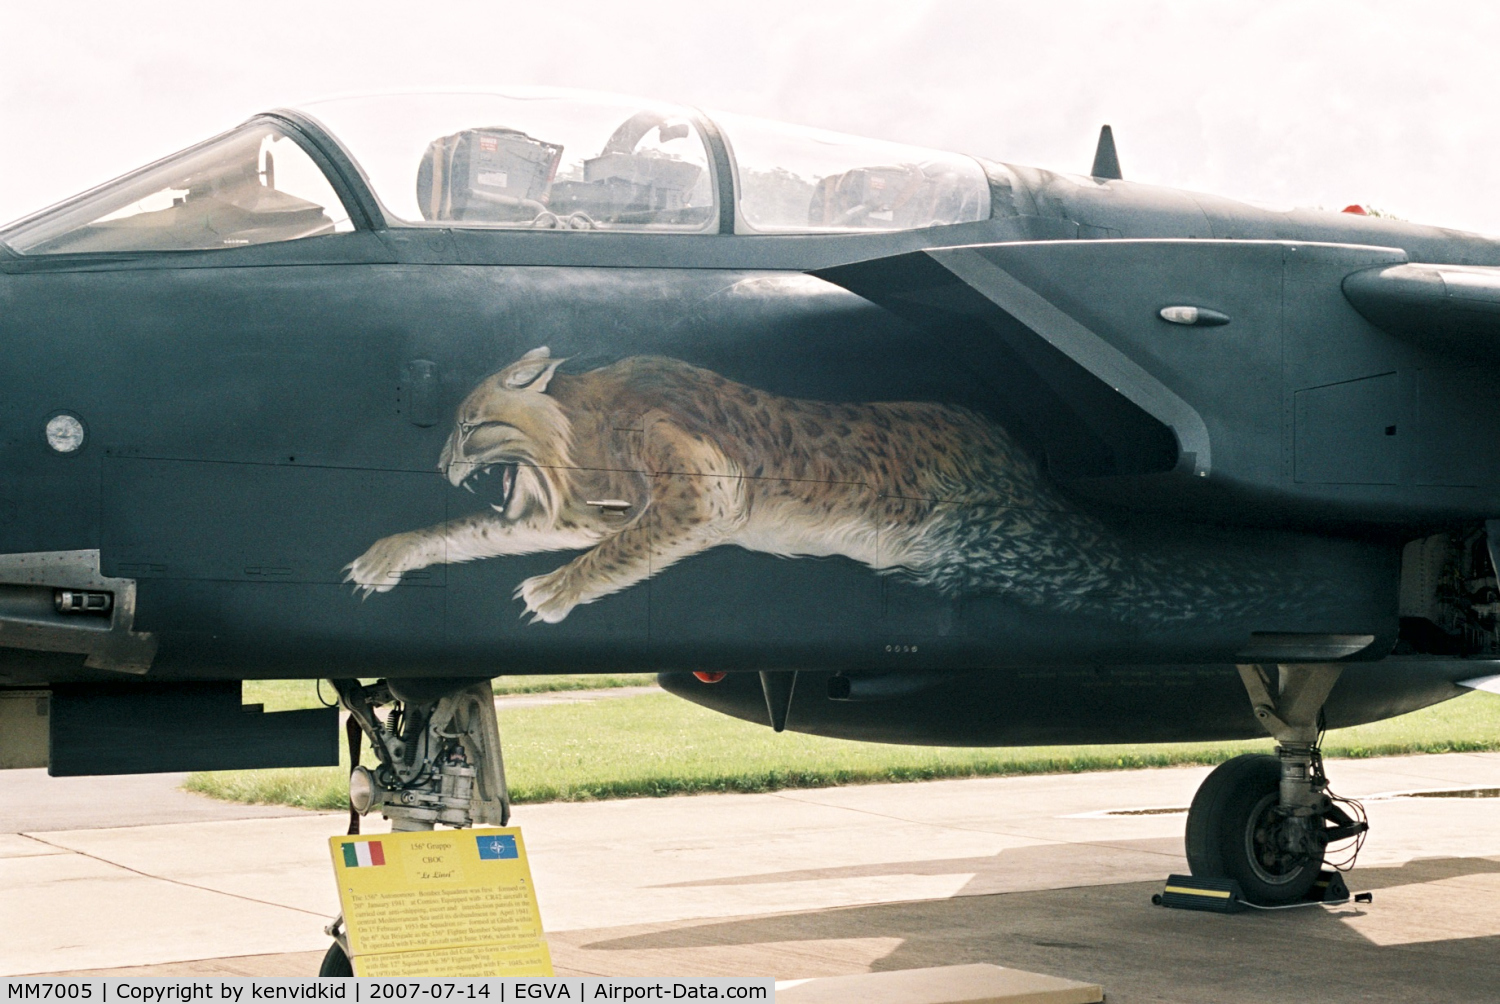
point(1030, 873)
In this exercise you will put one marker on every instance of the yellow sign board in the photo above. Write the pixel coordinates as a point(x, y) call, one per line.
point(440, 903)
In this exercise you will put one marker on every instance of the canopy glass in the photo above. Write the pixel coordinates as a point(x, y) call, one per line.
point(520, 159)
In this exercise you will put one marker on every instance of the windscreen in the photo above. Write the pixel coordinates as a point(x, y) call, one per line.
point(255, 185)
point(795, 179)
point(528, 159)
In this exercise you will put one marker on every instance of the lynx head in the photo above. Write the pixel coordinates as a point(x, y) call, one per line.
point(511, 439)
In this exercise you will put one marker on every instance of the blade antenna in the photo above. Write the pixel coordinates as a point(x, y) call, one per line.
point(1106, 162)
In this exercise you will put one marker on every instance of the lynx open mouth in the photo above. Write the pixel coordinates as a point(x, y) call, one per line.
point(496, 491)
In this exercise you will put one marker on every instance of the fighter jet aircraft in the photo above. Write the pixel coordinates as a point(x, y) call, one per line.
point(842, 436)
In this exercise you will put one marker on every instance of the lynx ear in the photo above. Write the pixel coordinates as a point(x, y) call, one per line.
point(532, 372)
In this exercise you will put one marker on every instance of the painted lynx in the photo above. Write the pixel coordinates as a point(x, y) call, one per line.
point(935, 493)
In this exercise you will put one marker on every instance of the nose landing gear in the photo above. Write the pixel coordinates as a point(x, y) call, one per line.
point(1266, 821)
point(440, 764)
point(439, 750)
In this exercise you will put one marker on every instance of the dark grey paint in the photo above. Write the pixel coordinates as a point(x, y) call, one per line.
point(258, 415)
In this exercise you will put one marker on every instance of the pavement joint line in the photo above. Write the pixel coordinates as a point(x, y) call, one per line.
point(1429, 777)
point(1404, 773)
point(1487, 756)
point(292, 812)
point(164, 878)
point(102, 972)
point(974, 829)
point(38, 854)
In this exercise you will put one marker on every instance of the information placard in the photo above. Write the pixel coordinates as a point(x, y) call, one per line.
point(440, 903)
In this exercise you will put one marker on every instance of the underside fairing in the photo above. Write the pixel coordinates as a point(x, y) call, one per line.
point(1062, 705)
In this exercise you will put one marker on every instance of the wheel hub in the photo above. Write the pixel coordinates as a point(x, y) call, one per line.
point(1276, 843)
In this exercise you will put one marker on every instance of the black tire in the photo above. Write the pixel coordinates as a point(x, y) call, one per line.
point(1231, 830)
point(335, 963)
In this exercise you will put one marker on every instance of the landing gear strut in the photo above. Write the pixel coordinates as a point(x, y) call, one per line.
point(1265, 821)
point(440, 764)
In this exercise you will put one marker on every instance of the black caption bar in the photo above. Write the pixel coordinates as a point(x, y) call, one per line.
point(505, 990)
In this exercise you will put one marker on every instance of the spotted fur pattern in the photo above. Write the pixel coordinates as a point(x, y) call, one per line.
point(934, 493)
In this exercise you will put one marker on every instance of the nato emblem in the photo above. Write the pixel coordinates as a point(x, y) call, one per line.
point(497, 847)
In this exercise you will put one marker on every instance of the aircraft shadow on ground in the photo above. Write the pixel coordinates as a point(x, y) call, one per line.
point(1011, 870)
point(1110, 934)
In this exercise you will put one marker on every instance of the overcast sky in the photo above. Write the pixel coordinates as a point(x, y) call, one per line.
point(1385, 103)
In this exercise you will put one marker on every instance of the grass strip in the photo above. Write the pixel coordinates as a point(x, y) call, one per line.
point(657, 745)
point(288, 695)
point(547, 684)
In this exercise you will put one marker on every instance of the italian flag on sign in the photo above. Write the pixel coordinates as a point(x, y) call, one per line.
point(363, 854)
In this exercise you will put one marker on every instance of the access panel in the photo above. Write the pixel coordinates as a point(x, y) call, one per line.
point(241, 567)
point(195, 519)
point(1347, 433)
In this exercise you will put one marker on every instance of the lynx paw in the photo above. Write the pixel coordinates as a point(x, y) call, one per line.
point(379, 569)
point(548, 598)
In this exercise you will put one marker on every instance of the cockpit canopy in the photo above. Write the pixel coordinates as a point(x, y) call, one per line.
point(522, 159)
point(540, 161)
point(255, 185)
point(549, 159)
point(796, 179)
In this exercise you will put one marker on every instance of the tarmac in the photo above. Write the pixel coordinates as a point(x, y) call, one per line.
point(128, 876)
